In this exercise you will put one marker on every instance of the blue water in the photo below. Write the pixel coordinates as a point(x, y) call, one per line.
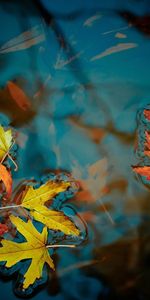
point(82, 93)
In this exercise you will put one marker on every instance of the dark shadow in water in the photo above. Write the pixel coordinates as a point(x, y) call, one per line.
point(141, 23)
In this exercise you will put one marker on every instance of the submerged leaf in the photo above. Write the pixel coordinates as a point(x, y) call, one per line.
point(18, 96)
point(34, 248)
point(93, 185)
point(115, 49)
point(24, 40)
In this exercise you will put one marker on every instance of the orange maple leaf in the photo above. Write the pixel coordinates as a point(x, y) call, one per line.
point(6, 178)
point(143, 171)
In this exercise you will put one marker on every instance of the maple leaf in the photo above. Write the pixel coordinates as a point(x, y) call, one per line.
point(5, 142)
point(6, 178)
point(147, 143)
point(34, 248)
point(143, 171)
point(34, 200)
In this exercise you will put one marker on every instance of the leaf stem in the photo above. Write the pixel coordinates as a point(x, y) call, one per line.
point(7, 154)
point(16, 166)
point(107, 213)
point(60, 246)
point(4, 157)
point(9, 207)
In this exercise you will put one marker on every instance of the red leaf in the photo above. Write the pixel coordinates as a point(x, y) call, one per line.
point(5, 176)
point(3, 229)
point(147, 153)
point(147, 114)
point(18, 96)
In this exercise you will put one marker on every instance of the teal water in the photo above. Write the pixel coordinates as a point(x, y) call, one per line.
point(86, 77)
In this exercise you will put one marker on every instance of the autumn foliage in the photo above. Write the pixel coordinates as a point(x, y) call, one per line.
point(32, 203)
point(144, 170)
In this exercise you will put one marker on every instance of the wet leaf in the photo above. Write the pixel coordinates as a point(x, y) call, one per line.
point(34, 248)
point(3, 228)
point(143, 146)
point(18, 96)
point(143, 171)
point(6, 178)
point(147, 114)
point(5, 142)
point(147, 143)
point(34, 200)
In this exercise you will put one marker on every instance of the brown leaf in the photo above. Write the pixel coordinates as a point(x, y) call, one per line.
point(18, 96)
point(3, 229)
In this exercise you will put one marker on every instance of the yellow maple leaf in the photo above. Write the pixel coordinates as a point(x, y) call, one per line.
point(5, 141)
point(34, 248)
point(34, 200)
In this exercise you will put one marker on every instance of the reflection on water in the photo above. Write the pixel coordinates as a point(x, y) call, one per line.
point(73, 78)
